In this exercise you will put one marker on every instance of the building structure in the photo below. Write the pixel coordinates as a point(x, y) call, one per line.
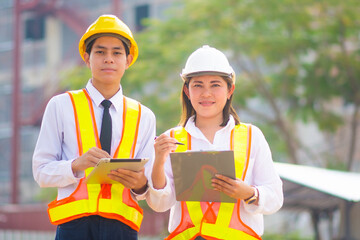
point(38, 43)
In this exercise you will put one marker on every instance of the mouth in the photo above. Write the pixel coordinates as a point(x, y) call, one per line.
point(206, 103)
point(108, 70)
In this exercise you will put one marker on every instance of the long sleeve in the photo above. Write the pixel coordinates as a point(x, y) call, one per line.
point(161, 200)
point(263, 176)
point(51, 164)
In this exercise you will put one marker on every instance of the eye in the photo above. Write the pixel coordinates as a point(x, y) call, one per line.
point(99, 52)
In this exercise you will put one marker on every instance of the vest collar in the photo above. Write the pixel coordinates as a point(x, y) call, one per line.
point(97, 98)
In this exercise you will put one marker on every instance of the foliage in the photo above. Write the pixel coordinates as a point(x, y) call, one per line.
point(291, 57)
point(288, 54)
point(75, 78)
point(46, 195)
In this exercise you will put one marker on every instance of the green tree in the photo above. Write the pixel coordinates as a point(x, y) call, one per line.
point(291, 58)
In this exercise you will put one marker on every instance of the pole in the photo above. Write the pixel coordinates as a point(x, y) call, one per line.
point(15, 105)
point(117, 8)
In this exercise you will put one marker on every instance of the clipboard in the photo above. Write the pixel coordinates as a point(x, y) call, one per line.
point(99, 174)
point(193, 171)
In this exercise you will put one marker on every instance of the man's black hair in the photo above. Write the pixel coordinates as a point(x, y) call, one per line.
point(90, 45)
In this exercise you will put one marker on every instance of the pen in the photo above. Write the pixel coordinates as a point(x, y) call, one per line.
point(177, 143)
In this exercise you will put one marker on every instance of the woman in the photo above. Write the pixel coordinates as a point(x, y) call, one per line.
point(209, 122)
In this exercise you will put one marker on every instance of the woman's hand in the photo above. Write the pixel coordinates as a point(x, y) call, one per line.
point(163, 146)
point(237, 189)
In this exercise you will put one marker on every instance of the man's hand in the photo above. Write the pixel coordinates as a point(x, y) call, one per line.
point(130, 179)
point(89, 159)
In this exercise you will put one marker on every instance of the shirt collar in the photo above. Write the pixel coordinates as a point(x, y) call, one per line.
point(97, 97)
point(196, 132)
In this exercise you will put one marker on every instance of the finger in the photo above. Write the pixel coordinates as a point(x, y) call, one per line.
point(127, 173)
point(222, 182)
point(222, 186)
point(164, 139)
point(228, 191)
point(123, 181)
point(98, 153)
point(224, 178)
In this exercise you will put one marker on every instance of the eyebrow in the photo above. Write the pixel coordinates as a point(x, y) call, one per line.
point(103, 47)
point(212, 81)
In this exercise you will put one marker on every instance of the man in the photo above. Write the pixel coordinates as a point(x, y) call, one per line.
point(69, 145)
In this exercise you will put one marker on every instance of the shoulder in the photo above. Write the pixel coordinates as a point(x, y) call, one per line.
point(146, 112)
point(177, 128)
point(257, 135)
point(60, 100)
point(254, 129)
point(258, 140)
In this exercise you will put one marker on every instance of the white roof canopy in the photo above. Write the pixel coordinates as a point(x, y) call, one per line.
point(343, 185)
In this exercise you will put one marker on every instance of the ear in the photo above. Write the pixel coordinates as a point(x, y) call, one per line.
point(129, 59)
point(231, 91)
point(186, 91)
point(87, 59)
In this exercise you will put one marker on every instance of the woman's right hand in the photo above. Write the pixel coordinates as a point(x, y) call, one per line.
point(163, 146)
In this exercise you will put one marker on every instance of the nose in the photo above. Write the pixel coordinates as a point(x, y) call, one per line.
point(205, 92)
point(108, 59)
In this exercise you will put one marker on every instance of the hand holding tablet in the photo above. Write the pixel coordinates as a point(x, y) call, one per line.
point(99, 175)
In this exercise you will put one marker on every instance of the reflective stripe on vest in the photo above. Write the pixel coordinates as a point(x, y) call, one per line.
point(216, 220)
point(107, 200)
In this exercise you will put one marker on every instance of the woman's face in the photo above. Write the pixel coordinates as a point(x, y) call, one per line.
point(208, 95)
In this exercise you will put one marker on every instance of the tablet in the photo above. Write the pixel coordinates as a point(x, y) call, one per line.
point(193, 171)
point(99, 174)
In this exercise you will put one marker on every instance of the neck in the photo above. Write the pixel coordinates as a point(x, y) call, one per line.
point(108, 91)
point(209, 126)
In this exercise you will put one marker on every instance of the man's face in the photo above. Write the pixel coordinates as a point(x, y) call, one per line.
point(107, 62)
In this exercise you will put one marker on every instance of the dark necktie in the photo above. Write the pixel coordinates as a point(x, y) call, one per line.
point(105, 135)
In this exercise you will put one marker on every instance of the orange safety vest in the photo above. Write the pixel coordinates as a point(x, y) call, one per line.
point(216, 220)
point(108, 200)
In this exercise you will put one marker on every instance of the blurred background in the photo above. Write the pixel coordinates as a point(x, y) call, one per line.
point(298, 79)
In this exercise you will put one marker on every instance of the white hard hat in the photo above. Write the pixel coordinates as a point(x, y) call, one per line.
point(207, 60)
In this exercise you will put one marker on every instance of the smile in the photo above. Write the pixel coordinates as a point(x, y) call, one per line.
point(206, 103)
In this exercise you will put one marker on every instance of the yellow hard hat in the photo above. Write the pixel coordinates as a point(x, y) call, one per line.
point(113, 25)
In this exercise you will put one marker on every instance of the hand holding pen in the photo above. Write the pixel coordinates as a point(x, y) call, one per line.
point(177, 143)
point(163, 145)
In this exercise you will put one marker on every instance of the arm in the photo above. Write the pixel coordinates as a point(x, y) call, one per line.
point(162, 191)
point(55, 160)
point(264, 177)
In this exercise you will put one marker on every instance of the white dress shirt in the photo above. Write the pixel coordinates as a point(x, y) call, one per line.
point(57, 143)
point(261, 173)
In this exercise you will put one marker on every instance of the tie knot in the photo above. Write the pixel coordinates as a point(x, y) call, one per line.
point(106, 103)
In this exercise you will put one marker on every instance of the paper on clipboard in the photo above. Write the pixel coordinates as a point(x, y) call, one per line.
point(193, 170)
point(99, 174)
